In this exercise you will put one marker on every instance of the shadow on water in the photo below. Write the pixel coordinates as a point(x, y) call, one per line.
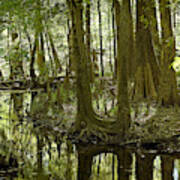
point(34, 145)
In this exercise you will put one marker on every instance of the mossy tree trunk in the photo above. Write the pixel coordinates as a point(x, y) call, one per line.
point(114, 39)
point(58, 67)
point(86, 119)
point(147, 67)
point(124, 164)
point(85, 113)
point(153, 26)
point(71, 66)
point(167, 167)
point(110, 40)
point(32, 60)
point(69, 169)
point(84, 105)
point(144, 166)
point(153, 41)
point(88, 39)
point(39, 153)
point(40, 57)
point(84, 166)
point(168, 84)
point(68, 63)
point(100, 38)
point(131, 61)
point(39, 39)
point(123, 49)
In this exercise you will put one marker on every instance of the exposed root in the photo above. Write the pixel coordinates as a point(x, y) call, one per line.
point(95, 127)
point(94, 131)
point(86, 133)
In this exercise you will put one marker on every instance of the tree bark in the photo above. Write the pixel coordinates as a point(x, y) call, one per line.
point(32, 61)
point(114, 39)
point(101, 38)
point(146, 65)
point(144, 166)
point(124, 164)
point(56, 59)
point(84, 166)
point(168, 85)
point(123, 46)
point(167, 167)
point(86, 119)
point(85, 112)
point(110, 41)
point(88, 39)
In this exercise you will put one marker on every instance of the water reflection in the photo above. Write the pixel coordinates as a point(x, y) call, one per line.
point(144, 166)
point(34, 145)
point(129, 164)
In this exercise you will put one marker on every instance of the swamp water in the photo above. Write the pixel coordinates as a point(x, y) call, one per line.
point(34, 145)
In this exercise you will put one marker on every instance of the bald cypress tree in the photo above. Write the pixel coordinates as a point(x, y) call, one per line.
point(146, 65)
point(123, 49)
point(86, 119)
point(168, 85)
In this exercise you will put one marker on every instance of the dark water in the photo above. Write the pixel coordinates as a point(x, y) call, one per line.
point(34, 145)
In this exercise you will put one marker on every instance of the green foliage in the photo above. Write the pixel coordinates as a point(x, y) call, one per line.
point(145, 21)
point(53, 112)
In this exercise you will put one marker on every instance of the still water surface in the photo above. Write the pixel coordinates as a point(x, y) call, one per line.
point(34, 145)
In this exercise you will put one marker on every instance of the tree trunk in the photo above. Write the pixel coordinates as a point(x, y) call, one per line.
point(146, 65)
point(123, 47)
point(131, 62)
point(58, 68)
point(69, 169)
point(88, 39)
point(124, 164)
point(168, 85)
point(167, 167)
point(144, 167)
point(32, 61)
point(154, 41)
point(39, 153)
point(84, 166)
point(80, 58)
point(101, 38)
point(110, 41)
point(86, 119)
point(114, 39)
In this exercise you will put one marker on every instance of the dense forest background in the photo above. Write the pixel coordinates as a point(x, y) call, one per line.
point(101, 71)
point(118, 58)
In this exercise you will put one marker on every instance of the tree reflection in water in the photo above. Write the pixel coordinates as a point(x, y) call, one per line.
point(30, 151)
point(146, 164)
